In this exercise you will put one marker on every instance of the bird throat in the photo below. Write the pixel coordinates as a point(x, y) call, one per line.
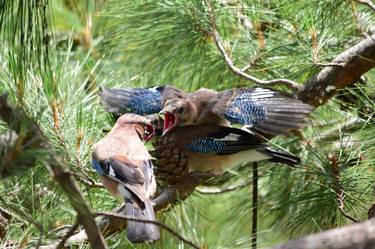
point(169, 122)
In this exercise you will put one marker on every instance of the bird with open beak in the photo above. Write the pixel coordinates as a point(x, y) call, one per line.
point(263, 111)
point(126, 170)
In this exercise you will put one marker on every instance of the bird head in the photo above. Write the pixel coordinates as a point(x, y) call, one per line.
point(177, 111)
point(157, 122)
point(142, 125)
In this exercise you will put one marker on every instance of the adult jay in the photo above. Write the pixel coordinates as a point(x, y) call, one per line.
point(264, 111)
point(126, 170)
point(212, 149)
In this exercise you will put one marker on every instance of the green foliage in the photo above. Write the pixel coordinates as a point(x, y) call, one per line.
point(139, 43)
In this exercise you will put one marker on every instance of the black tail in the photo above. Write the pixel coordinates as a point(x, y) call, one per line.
point(140, 231)
point(282, 157)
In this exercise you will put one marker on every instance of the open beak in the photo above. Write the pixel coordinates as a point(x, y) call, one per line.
point(170, 121)
point(149, 133)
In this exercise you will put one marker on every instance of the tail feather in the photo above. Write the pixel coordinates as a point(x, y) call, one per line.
point(140, 231)
point(282, 157)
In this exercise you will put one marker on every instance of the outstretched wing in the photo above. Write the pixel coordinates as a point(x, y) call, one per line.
point(137, 100)
point(264, 111)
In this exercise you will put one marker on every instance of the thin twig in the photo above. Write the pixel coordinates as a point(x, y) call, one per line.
point(340, 199)
point(369, 3)
point(170, 230)
point(331, 64)
point(215, 34)
point(87, 181)
point(254, 61)
point(340, 194)
point(69, 234)
point(254, 223)
point(215, 191)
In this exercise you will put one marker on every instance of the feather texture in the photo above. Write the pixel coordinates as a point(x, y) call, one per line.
point(137, 100)
point(125, 167)
point(213, 149)
point(264, 111)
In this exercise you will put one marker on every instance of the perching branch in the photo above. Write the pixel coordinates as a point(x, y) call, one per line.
point(16, 119)
point(355, 62)
point(216, 36)
point(355, 236)
point(161, 225)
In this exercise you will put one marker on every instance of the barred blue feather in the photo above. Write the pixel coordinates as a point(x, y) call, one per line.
point(146, 102)
point(98, 167)
point(137, 100)
point(244, 111)
point(207, 145)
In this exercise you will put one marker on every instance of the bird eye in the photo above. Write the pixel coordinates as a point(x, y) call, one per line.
point(180, 110)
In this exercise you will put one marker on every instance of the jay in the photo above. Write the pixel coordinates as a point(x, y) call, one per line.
point(126, 170)
point(263, 111)
point(212, 149)
point(188, 156)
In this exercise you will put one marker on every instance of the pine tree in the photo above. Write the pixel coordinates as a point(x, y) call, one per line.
point(55, 55)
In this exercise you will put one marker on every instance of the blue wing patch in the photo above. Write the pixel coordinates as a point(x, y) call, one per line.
point(207, 145)
point(146, 101)
point(98, 167)
point(242, 110)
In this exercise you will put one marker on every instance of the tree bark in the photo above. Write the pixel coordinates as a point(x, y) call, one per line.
point(356, 236)
point(354, 62)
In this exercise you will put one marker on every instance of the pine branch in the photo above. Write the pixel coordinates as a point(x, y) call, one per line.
point(216, 36)
point(356, 236)
point(355, 62)
point(61, 175)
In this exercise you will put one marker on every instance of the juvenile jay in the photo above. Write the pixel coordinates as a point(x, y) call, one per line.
point(126, 170)
point(263, 111)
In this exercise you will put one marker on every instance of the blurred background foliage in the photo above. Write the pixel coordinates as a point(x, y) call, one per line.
point(55, 54)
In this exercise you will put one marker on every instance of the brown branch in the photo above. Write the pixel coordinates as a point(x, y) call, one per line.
point(87, 181)
point(161, 225)
point(369, 3)
point(328, 64)
point(356, 61)
point(15, 118)
point(215, 34)
point(355, 236)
